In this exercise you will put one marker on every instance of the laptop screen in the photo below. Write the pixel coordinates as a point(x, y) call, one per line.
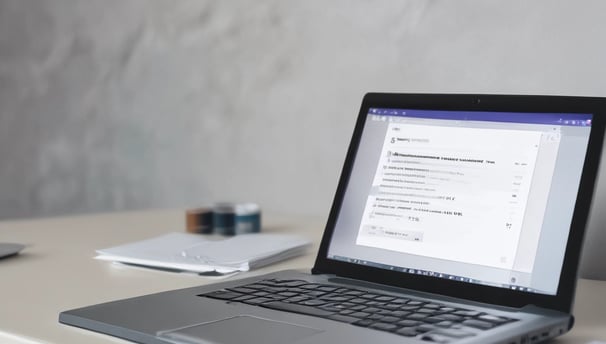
point(477, 197)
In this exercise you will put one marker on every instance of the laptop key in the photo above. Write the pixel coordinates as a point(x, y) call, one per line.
point(222, 295)
point(400, 300)
point(399, 314)
point(276, 289)
point(375, 317)
point(479, 324)
point(335, 298)
point(331, 308)
point(369, 296)
point(384, 326)
point(392, 306)
point(375, 303)
point(297, 308)
point(243, 297)
point(345, 305)
point(449, 317)
point(257, 300)
point(363, 322)
point(467, 313)
point(371, 309)
point(358, 300)
point(295, 299)
point(292, 283)
point(242, 290)
point(407, 331)
point(432, 305)
point(416, 316)
point(409, 323)
point(389, 319)
point(426, 328)
point(360, 314)
point(276, 297)
point(445, 324)
point(409, 308)
point(433, 320)
point(272, 281)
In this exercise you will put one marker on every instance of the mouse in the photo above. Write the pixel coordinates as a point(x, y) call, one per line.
point(10, 249)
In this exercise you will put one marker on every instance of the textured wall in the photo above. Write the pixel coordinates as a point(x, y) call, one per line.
point(124, 104)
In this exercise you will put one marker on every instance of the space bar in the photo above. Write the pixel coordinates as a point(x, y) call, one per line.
point(294, 308)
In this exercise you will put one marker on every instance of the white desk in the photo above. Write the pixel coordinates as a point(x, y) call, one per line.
point(57, 272)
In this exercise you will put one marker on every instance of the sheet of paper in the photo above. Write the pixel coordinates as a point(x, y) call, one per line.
point(198, 253)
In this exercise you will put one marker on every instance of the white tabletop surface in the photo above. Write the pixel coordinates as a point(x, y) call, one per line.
point(57, 272)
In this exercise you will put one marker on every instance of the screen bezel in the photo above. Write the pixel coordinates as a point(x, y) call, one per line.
point(563, 299)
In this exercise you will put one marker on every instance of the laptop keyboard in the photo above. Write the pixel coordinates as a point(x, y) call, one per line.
point(409, 317)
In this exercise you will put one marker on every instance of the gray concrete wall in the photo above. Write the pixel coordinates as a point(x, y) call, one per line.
point(110, 105)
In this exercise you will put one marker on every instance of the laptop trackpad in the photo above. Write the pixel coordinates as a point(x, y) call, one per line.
point(239, 329)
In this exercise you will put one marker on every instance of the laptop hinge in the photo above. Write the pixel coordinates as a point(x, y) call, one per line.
point(316, 271)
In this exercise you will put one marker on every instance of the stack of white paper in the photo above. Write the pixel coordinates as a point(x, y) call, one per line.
point(197, 253)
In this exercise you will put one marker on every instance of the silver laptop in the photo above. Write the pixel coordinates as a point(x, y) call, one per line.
point(457, 219)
